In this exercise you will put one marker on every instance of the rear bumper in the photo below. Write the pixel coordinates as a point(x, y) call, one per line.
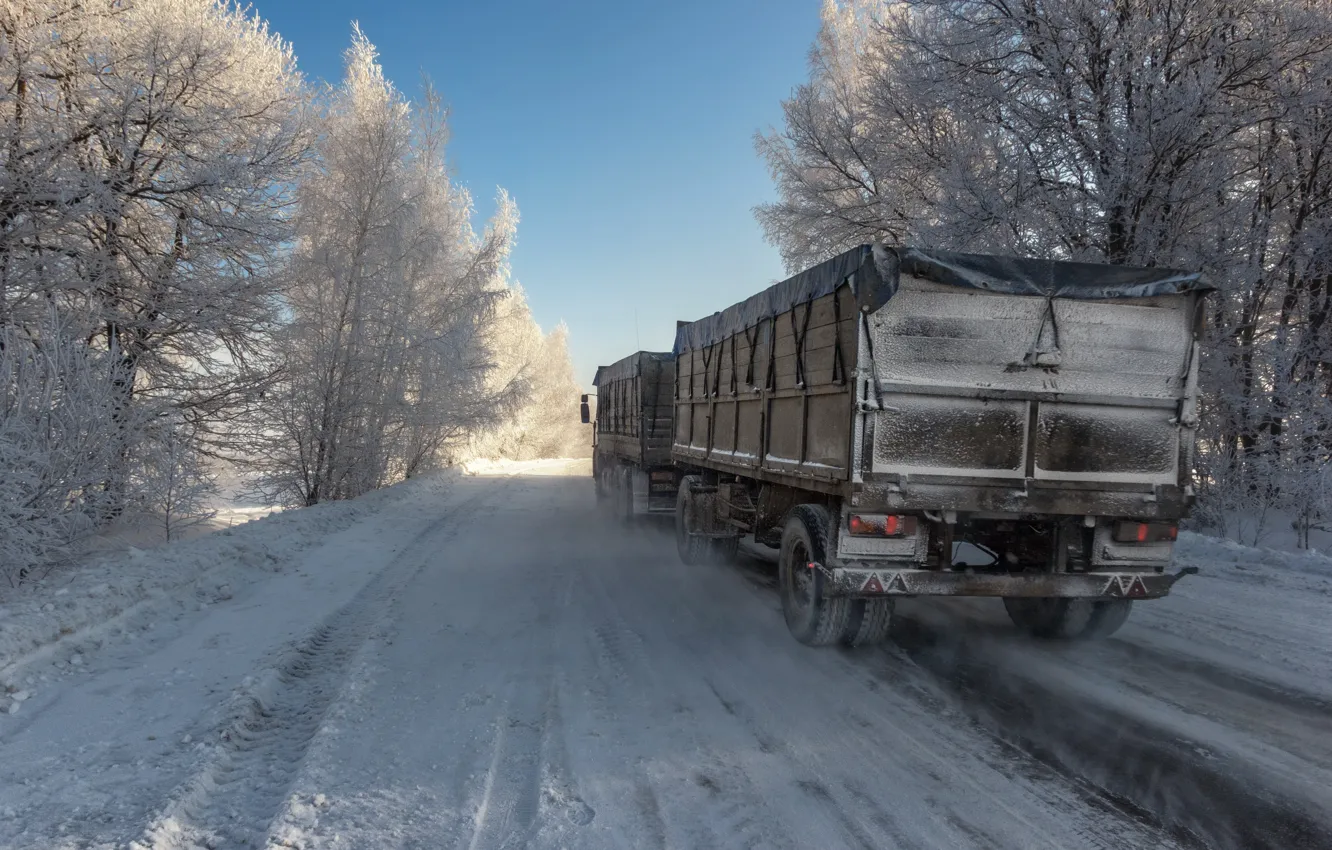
point(865, 582)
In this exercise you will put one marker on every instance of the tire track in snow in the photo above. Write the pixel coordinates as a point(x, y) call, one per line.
point(1222, 677)
point(823, 784)
point(506, 814)
point(723, 802)
point(529, 788)
point(649, 809)
point(1129, 763)
point(235, 799)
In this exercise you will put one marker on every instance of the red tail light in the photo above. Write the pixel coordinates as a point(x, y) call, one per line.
point(879, 525)
point(1145, 532)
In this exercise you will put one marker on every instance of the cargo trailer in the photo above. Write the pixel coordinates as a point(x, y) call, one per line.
point(880, 412)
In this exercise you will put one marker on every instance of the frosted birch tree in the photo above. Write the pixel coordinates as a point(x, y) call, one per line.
point(534, 372)
point(390, 290)
point(173, 484)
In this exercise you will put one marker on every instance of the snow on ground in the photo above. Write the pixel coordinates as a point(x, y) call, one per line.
point(86, 602)
point(1202, 704)
point(1264, 612)
point(123, 690)
point(584, 689)
point(487, 661)
point(492, 466)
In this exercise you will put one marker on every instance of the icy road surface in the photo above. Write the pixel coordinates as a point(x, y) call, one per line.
point(489, 662)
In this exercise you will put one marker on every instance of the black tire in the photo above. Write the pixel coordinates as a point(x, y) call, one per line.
point(624, 496)
point(596, 480)
point(1068, 619)
point(692, 548)
point(869, 622)
point(724, 550)
point(606, 487)
point(1107, 618)
point(814, 618)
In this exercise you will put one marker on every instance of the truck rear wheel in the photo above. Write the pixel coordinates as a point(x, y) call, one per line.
point(606, 486)
point(692, 547)
point(724, 550)
point(1068, 619)
point(814, 618)
point(624, 495)
point(868, 622)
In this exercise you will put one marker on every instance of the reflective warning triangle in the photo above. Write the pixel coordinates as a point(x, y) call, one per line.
point(872, 585)
point(897, 584)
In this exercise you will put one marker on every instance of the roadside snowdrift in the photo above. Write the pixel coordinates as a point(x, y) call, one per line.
point(81, 605)
point(1264, 613)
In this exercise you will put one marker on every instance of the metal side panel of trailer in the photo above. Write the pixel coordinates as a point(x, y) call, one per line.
point(774, 401)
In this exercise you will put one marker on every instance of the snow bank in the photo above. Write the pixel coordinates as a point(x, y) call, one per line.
point(79, 606)
point(1236, 559)
point(1262, 613)
point(548, 466)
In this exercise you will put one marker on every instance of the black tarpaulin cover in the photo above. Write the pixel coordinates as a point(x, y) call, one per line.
point(629, 366)
point(873, 272)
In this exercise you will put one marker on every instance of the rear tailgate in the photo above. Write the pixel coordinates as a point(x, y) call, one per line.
point(981, 384)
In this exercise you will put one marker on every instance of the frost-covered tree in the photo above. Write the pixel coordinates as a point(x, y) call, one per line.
point(556, 429)
point(151, 147)
point(173, 483)
point(148, 150)
point(389, 291)
point(56, 397)
point(1153, 132)
point(534, 370)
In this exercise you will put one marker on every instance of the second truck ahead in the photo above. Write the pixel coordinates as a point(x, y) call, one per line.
point(631, 454)
point(875, 412)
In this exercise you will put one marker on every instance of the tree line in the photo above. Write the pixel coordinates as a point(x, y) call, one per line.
point(1176, 133)
point(207, 259)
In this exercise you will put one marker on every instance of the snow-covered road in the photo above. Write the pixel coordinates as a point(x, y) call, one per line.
point(488, 662)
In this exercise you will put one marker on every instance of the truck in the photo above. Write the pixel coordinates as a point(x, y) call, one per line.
point(631, 454)
point(880, 412)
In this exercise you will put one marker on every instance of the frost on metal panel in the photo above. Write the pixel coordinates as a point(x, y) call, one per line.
point(1124, 444)
point(949, 337)
point(922, 433)
point(966, 373)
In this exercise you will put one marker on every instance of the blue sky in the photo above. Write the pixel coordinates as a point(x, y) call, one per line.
point(624, 130)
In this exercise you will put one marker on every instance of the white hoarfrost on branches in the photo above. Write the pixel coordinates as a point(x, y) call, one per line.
point(1189, 134)
point(174, 484)
point(402, 325)
point(147, 149)
point(536, 368)
point(204, 262)
point(57, 396)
